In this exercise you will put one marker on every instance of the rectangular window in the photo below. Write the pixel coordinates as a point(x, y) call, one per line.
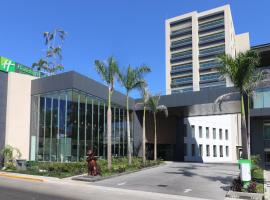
point(266, 130)
point(226, 134)
point(207, 150)
point(221, 151)
point(220, 134)
point(201, 150)
point(214, 133)
point(207, 132)
point(200, 131)
point(185, 149)
point(192, 131)
point(214, 150)
point(193, 149)
point(227, 151)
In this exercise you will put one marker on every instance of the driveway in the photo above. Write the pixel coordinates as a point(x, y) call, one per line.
point(209, 181)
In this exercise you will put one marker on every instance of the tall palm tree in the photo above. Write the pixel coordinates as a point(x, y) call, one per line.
point(154, 107)
point(108, 72)
point(241, 70)
point(145, 98)
point(131, 79)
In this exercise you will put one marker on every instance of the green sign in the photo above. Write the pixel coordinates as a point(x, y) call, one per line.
point(8, 65)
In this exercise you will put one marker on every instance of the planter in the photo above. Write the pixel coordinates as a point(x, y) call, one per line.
point(244, 195)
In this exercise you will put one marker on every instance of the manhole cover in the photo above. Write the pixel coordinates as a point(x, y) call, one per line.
point(162, 185)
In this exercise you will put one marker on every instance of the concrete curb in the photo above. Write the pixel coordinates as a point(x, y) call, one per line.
point(20, 176)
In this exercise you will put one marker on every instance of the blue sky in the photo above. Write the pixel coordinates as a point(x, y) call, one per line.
point(131, 30)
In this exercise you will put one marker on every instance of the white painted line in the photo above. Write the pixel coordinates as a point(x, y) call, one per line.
point(187, 190)
point(123, 183)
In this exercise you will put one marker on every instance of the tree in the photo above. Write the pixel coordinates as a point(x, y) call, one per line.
point(130, 80)
point(241, 70)
point(10, 154)
point(108, 72)
point(145, 98)
point(52, 61)
point(154, 107)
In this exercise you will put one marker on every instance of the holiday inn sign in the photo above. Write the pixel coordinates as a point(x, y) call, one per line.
point(8, 65)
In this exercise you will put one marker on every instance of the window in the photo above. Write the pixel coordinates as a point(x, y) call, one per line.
point(185, 149)
point(227, 151)
point(193, 149)
point(207, 150)
point(220, 134)
point(226, 134)
point(200, 131)
point(185, 130)
point(201, 150)
point(214, 133)
point(221, 151)
point(214, 150)
point(207, 132)
point(266, 130)
point(192, 131)
point(267, 157)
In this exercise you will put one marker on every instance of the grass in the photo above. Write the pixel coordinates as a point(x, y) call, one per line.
point(63, 170)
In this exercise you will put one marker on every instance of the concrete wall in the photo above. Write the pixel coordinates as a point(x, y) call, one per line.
point(18, 112)
point(3, 105)
point(228, 122)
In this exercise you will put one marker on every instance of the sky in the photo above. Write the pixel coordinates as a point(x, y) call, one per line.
point(133, 31)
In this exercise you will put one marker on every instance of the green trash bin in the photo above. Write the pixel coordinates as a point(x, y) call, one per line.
point(245, 171)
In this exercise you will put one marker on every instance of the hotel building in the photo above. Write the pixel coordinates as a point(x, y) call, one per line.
point(193, 42)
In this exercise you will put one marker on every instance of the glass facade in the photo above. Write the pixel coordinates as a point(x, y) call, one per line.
point(261, 98)
point(65, 124)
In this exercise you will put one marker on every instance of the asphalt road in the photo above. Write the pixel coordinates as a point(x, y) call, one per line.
point(17, 189)
point(210, 181)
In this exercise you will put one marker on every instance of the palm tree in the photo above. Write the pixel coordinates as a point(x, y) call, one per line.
point(52, 61)
point(154, 107)
point(108, 72)
point(241, 70)
point(131, 79)
point(145, 98)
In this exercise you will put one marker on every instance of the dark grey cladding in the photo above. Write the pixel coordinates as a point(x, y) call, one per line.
point(74, 80)
point(260, 112)
point(3, 107)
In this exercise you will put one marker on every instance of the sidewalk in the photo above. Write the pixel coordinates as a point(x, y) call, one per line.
point(267, 184)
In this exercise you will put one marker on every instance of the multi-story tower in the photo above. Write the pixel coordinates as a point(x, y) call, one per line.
point(193, 42)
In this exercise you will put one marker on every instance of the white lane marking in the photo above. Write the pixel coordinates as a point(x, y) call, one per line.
point(187, 190)
point(123, 183)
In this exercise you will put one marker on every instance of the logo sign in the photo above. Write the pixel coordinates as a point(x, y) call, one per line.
point(8, 65)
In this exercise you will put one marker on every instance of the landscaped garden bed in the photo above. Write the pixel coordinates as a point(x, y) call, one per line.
point(257, 183)
point(63, 170)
